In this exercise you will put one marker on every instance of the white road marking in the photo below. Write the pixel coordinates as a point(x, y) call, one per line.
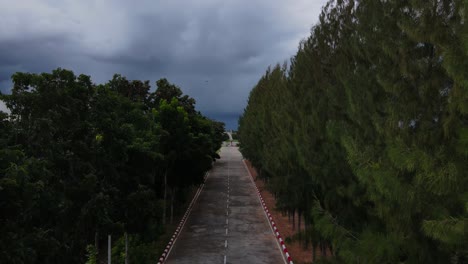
point(224, 259)
point(225, 243)
point(226, 231)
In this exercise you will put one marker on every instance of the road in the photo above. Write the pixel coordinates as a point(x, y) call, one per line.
point(227, 223)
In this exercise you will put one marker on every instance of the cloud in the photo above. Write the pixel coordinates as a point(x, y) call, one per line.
point(3, 107)
point(214, 50)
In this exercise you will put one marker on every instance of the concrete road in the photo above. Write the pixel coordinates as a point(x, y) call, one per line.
point(227, 223)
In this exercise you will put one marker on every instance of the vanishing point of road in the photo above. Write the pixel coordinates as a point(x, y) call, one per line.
point(227, 223)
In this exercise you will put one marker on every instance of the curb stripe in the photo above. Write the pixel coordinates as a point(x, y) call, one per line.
point(179, 228)
point(270, 220)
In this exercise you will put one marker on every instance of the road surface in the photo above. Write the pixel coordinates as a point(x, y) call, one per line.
point(227, 223)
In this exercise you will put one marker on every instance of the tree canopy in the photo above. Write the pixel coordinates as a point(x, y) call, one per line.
point(79, 161)
point(365, 133)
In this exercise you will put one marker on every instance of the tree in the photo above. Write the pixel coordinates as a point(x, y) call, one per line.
point(79, 161)
point(369, 132)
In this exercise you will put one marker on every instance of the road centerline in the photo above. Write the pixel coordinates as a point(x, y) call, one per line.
point(246, 233)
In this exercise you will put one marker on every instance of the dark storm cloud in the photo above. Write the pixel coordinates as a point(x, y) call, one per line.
point(214, 50)
point(34, 54)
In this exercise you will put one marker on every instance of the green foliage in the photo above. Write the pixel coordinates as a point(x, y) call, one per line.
point(91, 254)
point(365, 132)
point(140, 250)
point(79, 161)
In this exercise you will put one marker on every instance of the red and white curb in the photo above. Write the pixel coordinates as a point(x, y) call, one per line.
point(179, 228)
point(271, 221)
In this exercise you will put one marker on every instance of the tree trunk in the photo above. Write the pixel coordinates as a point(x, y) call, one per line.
point(165, 196)
point(306, 234)
point(173, 193)
point(294, 219)
point(71, 169)
point(313, 252)
point(96, 242)
point(323, 249)
point(299, 220)
point(126, 248)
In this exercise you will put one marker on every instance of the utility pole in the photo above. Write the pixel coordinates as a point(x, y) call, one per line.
point(109, 253)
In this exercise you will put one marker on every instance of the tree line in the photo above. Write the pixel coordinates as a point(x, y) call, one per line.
point(79, 161)
point(364, 134)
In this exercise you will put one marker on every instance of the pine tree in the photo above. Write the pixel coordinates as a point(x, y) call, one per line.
point(370, 135)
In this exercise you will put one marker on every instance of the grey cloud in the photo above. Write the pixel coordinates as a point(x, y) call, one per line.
point(227, 43)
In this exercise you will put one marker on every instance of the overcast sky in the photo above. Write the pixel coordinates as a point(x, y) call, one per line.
point(215, 50)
